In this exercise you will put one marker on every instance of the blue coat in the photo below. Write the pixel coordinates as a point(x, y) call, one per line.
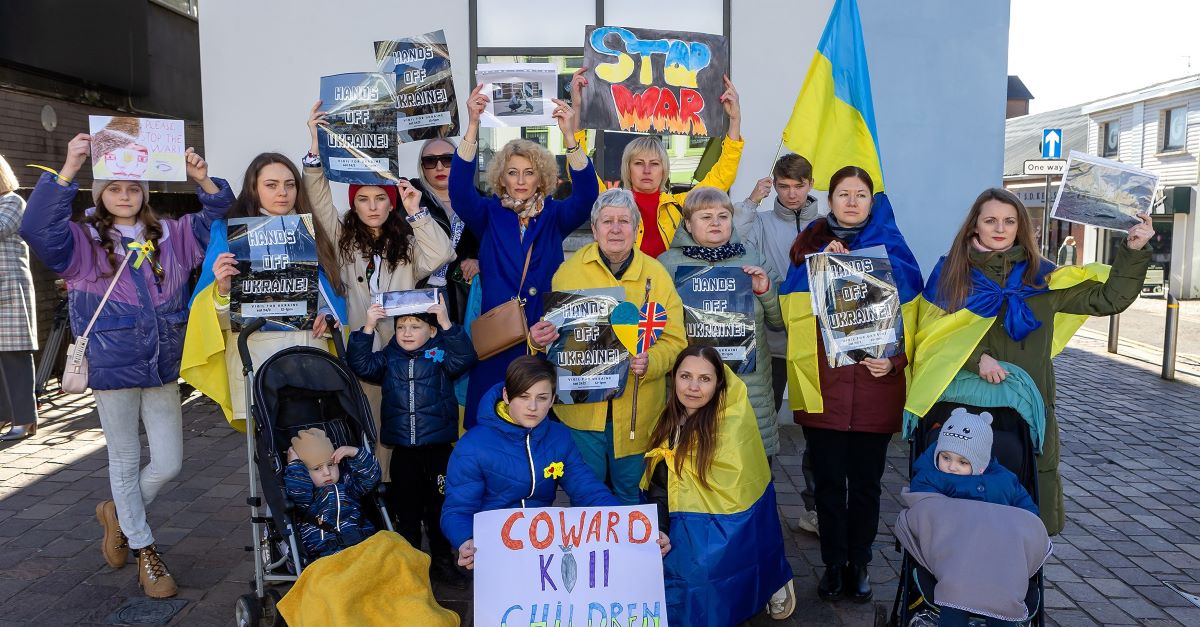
point(996, 485)
point(502, 252)
point(137, 341)
point(336, 507)
point(419, 406)
point(501, 465)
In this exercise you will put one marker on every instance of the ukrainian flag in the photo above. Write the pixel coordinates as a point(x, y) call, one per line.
point(833, 122)
point(945, 341)
point(795, 299)
point(203, 363)
point(727, 556)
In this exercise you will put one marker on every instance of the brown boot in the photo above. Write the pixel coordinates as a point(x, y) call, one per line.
point(115, 545)
point(153, 577)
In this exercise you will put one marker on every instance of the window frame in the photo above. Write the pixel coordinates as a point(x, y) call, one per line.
point(1165, 120)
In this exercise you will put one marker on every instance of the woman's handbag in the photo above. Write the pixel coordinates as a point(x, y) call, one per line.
point(75, 374)
point(503, 326)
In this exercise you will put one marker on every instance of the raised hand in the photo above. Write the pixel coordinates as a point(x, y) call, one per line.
point(78, 151)
point(543, 333)
point(1140, 234)
point(197, 170)
point(762, 189)
point(315, 118)
point(439, 310)
point(223, 269)
point(568, 121)
point(410, 197)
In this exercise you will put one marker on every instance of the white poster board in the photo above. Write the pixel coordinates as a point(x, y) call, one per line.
point(136, 149)
point(521, 94)
point(569, 566)
point(1104, 193)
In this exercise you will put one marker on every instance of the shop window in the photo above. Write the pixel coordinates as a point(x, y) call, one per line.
point(1174, 125)
point(1110, 139)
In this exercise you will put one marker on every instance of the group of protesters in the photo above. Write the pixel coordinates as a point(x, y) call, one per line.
point(705, 439)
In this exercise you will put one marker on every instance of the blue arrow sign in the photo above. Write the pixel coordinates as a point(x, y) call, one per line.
point(1052, 143)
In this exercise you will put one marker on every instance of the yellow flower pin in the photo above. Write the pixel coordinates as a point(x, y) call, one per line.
point(553, 471)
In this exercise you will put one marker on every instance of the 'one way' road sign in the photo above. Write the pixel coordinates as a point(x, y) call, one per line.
point(1052, 143)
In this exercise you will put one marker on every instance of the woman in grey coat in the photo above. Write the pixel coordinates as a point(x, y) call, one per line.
point(707, 239)
point(18, 328)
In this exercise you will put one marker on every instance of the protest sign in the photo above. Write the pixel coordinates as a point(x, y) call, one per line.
point(592, 364)
point(857, 305)
point(427, 107)
point(136, 149)
point(358, 141)
point(718, 311)
point(1104, 193)
point(569, 566)
point(277, 271)
point(521, 93)
point(654, 81)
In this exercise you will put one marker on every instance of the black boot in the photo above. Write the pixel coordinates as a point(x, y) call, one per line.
point(830, 587)
point(858, 584)
point(444, 570)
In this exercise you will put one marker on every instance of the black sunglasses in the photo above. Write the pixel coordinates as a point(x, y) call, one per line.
point(430, 162)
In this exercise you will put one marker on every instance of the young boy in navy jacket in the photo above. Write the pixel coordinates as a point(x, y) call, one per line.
point(417, 370)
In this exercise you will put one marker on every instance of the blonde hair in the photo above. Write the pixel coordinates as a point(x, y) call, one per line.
point(8, 180)
point(543, 164)
point(704, 197)
point(645, 144)
point(425, 146)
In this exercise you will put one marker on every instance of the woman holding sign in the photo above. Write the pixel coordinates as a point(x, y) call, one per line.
point(993, 299)
point(126, 272)
point(606, 432)
point(708, 241)
point(849, 413)
point(710, 479)
point(520, 227)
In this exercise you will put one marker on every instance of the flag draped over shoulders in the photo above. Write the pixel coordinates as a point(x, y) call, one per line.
point(833, 121)
point(944, 341)
point(795, 299)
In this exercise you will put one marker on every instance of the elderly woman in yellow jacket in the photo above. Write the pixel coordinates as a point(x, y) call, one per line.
point(613, 261)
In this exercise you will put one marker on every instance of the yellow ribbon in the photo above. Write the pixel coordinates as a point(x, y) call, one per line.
point(143, 249)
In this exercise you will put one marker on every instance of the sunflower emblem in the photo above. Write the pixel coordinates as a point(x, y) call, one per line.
point(553, 471)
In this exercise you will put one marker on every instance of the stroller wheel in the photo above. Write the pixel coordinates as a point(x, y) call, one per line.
point(247, 612)
point(270, 615)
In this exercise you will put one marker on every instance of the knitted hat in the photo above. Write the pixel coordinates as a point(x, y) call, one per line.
point(313, 447)
point(390, 190)
point(98, 189)
point(969, 435)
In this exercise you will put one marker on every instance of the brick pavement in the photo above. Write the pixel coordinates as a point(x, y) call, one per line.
point(1132, 488)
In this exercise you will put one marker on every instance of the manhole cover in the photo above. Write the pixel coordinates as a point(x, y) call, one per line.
point(145, 612)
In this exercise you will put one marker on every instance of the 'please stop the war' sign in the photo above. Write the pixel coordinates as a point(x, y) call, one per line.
point(569, 566)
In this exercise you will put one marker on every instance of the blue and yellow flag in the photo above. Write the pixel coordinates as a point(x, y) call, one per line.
point(944, 341)
point(833, 122)
point(804, 381)
point(726, 554)
point(203, 364)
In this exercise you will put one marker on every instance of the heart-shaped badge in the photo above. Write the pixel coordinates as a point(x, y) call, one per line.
point(624, 319)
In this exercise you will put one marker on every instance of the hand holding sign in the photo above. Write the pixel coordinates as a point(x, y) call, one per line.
point(1140, 234)
point(78, 150)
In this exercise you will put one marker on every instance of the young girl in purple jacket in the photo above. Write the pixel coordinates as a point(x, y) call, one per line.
point(136, 342)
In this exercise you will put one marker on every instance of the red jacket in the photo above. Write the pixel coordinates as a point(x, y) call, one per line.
point(855, 400)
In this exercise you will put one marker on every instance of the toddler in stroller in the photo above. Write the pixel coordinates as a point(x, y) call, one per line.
point(327, 503)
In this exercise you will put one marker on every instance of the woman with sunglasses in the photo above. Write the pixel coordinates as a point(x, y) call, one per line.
point(433, 181)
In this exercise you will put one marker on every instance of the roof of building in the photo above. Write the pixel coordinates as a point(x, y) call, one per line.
point(1017, 89)
point(1023, 136)
point(1157, 90)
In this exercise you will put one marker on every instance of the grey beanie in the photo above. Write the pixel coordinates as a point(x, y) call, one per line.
point(98, 188)
point(969, 435)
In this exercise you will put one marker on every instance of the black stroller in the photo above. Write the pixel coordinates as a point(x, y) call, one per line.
point(1013, 446)
point(295, 389)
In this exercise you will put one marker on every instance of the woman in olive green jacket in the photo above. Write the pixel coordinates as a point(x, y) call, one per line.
point(1018, 321)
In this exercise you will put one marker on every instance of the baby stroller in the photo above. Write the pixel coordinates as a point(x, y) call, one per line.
point(1018, 423)
point(295, 389)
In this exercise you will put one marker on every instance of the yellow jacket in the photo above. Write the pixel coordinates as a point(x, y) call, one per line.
point(584, 270)
point(670, 206)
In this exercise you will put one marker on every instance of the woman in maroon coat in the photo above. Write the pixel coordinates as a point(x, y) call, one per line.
point(862, 403)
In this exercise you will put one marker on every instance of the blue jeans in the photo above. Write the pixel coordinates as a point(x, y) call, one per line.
point(624, 474)
point(952, 617)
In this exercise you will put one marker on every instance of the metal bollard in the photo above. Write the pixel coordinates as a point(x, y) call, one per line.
point(1170, 337)
point(1114, 332)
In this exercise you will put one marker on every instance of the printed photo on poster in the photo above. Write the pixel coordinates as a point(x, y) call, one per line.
point(522, 93)
point(857, 305)
point(1104, 193)
point(427, 106)
point(358, 140)
point(569, 565)
point(137, 149)
point(406, 302)
point(654, 81)
point(718, 311)
point(592, 363)
point(277, 271)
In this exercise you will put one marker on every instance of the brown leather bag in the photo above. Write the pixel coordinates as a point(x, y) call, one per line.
point(503, 326)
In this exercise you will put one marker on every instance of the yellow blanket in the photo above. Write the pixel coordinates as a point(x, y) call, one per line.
point(382, 581)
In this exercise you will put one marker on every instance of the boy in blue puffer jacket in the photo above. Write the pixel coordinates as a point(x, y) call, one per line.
point(328, 503)
point(419, 417)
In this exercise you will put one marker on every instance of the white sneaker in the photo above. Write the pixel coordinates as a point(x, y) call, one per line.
point(783, 602)
point(808, 521)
